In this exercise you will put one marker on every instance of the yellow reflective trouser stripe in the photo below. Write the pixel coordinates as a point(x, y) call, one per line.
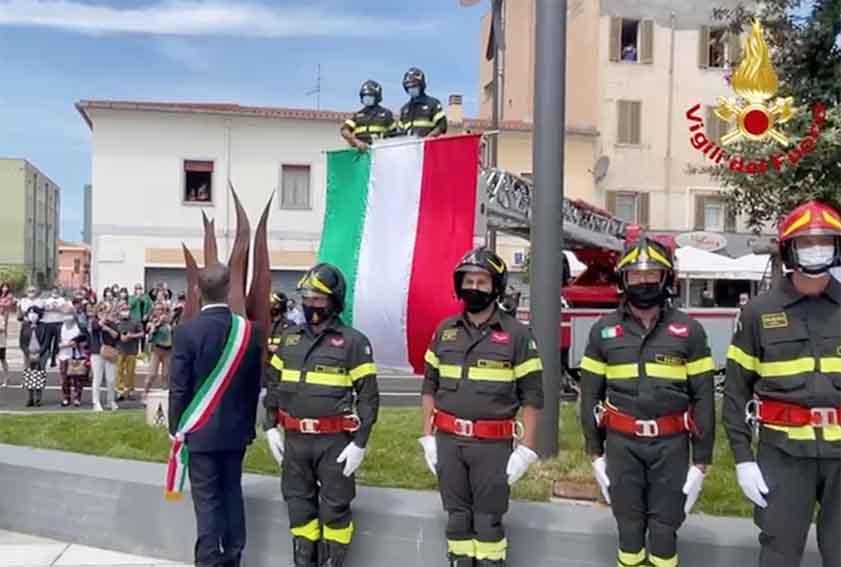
point(431, 358)
point(310, 531)
point(328, 379)
point(438, 116)
point(492, 374)
point(662, 561)
point(592, 365)
point(527, 367)
point(706, 364)
point(621, 371)
point(831, 364)
point(287, 375)
point(786, 368)
point(449, 371)
point(655, 370)
point(465, 548)
point(277, 362)
point(807, 432)
point(631, 559)
point(362, 371)
point(742, 358)
point(494, 551)
point(339, 535)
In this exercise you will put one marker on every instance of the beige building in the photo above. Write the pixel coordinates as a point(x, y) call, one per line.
point(633, 72)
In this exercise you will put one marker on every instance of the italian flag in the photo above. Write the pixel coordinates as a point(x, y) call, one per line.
point(399, 218)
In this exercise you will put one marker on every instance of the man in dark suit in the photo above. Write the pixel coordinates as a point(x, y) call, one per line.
point(217, 448)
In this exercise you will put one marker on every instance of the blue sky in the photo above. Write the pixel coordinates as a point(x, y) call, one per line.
point(261, 52)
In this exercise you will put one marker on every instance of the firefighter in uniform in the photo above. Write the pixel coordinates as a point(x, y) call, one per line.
point(422, 115)
point(784, 378)
point(279, 321)
point(481, 367)
point(647, 405)
point(312, 430)
point(372, 121)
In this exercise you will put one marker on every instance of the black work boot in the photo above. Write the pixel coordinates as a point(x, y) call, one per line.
point(38, 398)
point(304, 552)
point(332, 554)
point(31, 401)
point(460, 560)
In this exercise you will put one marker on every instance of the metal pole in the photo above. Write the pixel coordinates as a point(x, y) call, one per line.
point(549, 128)
point(496, 17)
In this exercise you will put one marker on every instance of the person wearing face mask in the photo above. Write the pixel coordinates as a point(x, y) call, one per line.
point(131, 331)
point(481, 367)
point(316, 373)
point(784, 381)
point(33, 343)
point(647, 408)
point(422, 116)
point(71, 338)
point(372, 121)
point(54, 307)
point(279, 324)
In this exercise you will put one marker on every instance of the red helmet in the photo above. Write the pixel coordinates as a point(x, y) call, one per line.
point(810, 219)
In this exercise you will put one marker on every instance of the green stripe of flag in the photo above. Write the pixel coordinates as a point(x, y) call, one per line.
point(347, 201)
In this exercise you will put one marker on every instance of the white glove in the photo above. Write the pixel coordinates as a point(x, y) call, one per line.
point(275, 439)
point(430, 452)
point(752, 483)
point(519, 462)
point(352, 457)
point(692, 487)
point(600, 472)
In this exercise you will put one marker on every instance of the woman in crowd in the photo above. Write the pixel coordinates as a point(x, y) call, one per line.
point(71, 339)
point(33, 343)
point(8, 304)
point(104, 355)
point(159, 331)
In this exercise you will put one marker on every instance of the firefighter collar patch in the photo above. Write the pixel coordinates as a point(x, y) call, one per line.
point(292, 340)
point(613, 332)
point(449, 335)
point(774, 321)
point(337, 341)
point(500, 337)
point(676, 330)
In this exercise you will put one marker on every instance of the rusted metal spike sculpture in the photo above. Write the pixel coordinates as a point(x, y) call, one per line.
point(258, 298)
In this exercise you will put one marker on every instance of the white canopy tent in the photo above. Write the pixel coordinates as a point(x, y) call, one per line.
point(693, 263)
point(760, 264)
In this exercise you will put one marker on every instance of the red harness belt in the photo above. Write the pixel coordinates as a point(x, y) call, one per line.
point(315, 426)
point(784, 413)
point(479, 429)
point(615, 420)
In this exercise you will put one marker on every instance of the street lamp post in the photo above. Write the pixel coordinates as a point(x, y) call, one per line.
point(546, 230)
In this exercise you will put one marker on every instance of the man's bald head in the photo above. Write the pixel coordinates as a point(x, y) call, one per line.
point(215, 283)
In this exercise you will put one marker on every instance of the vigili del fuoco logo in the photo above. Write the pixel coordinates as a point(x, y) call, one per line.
point(753, 117)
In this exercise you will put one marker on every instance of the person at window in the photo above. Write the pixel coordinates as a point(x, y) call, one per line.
point(707, 298)
point(371, 122)
point(629, 53)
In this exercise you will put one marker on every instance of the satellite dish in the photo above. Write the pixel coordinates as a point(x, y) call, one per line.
point(600, 169)
point(469, 2)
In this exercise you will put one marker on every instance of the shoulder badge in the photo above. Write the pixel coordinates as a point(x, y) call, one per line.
point(774, 321)
point(500, 337)
point(678, 330)
point(337, 341)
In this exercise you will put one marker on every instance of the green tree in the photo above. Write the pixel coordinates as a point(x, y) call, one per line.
point(804, 40)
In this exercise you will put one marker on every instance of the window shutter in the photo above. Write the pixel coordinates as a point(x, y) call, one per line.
point(643, 209)
point(700, 219)
point(729, 219)
point(610, 204)
point(704, 47)
point(623, 122)
point(711, 125)
point(635, 122)
point(615, 39)
point(647, 42)
point(735, 49)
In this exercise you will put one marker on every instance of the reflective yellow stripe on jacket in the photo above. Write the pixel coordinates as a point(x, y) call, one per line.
point(781, 368)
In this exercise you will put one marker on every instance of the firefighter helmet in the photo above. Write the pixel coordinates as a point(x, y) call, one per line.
point(482, 260)
point(647, 254)
point(371, 88)
point(414, 77)
point(279, 298)
point(325, 279)
point(810, 219)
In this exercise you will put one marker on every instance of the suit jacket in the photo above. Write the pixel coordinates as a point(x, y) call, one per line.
point(197, 345)
point(26, 336)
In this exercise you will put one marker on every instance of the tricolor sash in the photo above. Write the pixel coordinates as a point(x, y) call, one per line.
point(204, 403)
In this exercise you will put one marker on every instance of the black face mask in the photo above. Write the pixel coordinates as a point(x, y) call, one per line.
point(646, 296)
point(476, 300)
point(277, 311)
point(316, 315)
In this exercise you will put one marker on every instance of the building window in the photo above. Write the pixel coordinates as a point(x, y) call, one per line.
point(718, 48)
point(198, 181)
point(77, 266)
point(629, 206)
point(714, 126)
point(713, 214)
point(629, 122)
point(631, 41)
point(295, 187)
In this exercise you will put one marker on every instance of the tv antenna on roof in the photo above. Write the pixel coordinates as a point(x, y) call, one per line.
point(317, 90)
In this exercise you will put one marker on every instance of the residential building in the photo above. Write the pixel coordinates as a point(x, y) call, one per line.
point(29, 220)
point(74, 265)
point(87, 195)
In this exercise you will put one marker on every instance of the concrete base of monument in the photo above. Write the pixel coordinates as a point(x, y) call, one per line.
point(119, 505)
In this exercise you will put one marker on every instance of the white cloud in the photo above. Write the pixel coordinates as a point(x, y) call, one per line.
point(198, 17)
point(179, 51)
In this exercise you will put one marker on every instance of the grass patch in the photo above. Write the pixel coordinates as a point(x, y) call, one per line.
point(394, 457)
